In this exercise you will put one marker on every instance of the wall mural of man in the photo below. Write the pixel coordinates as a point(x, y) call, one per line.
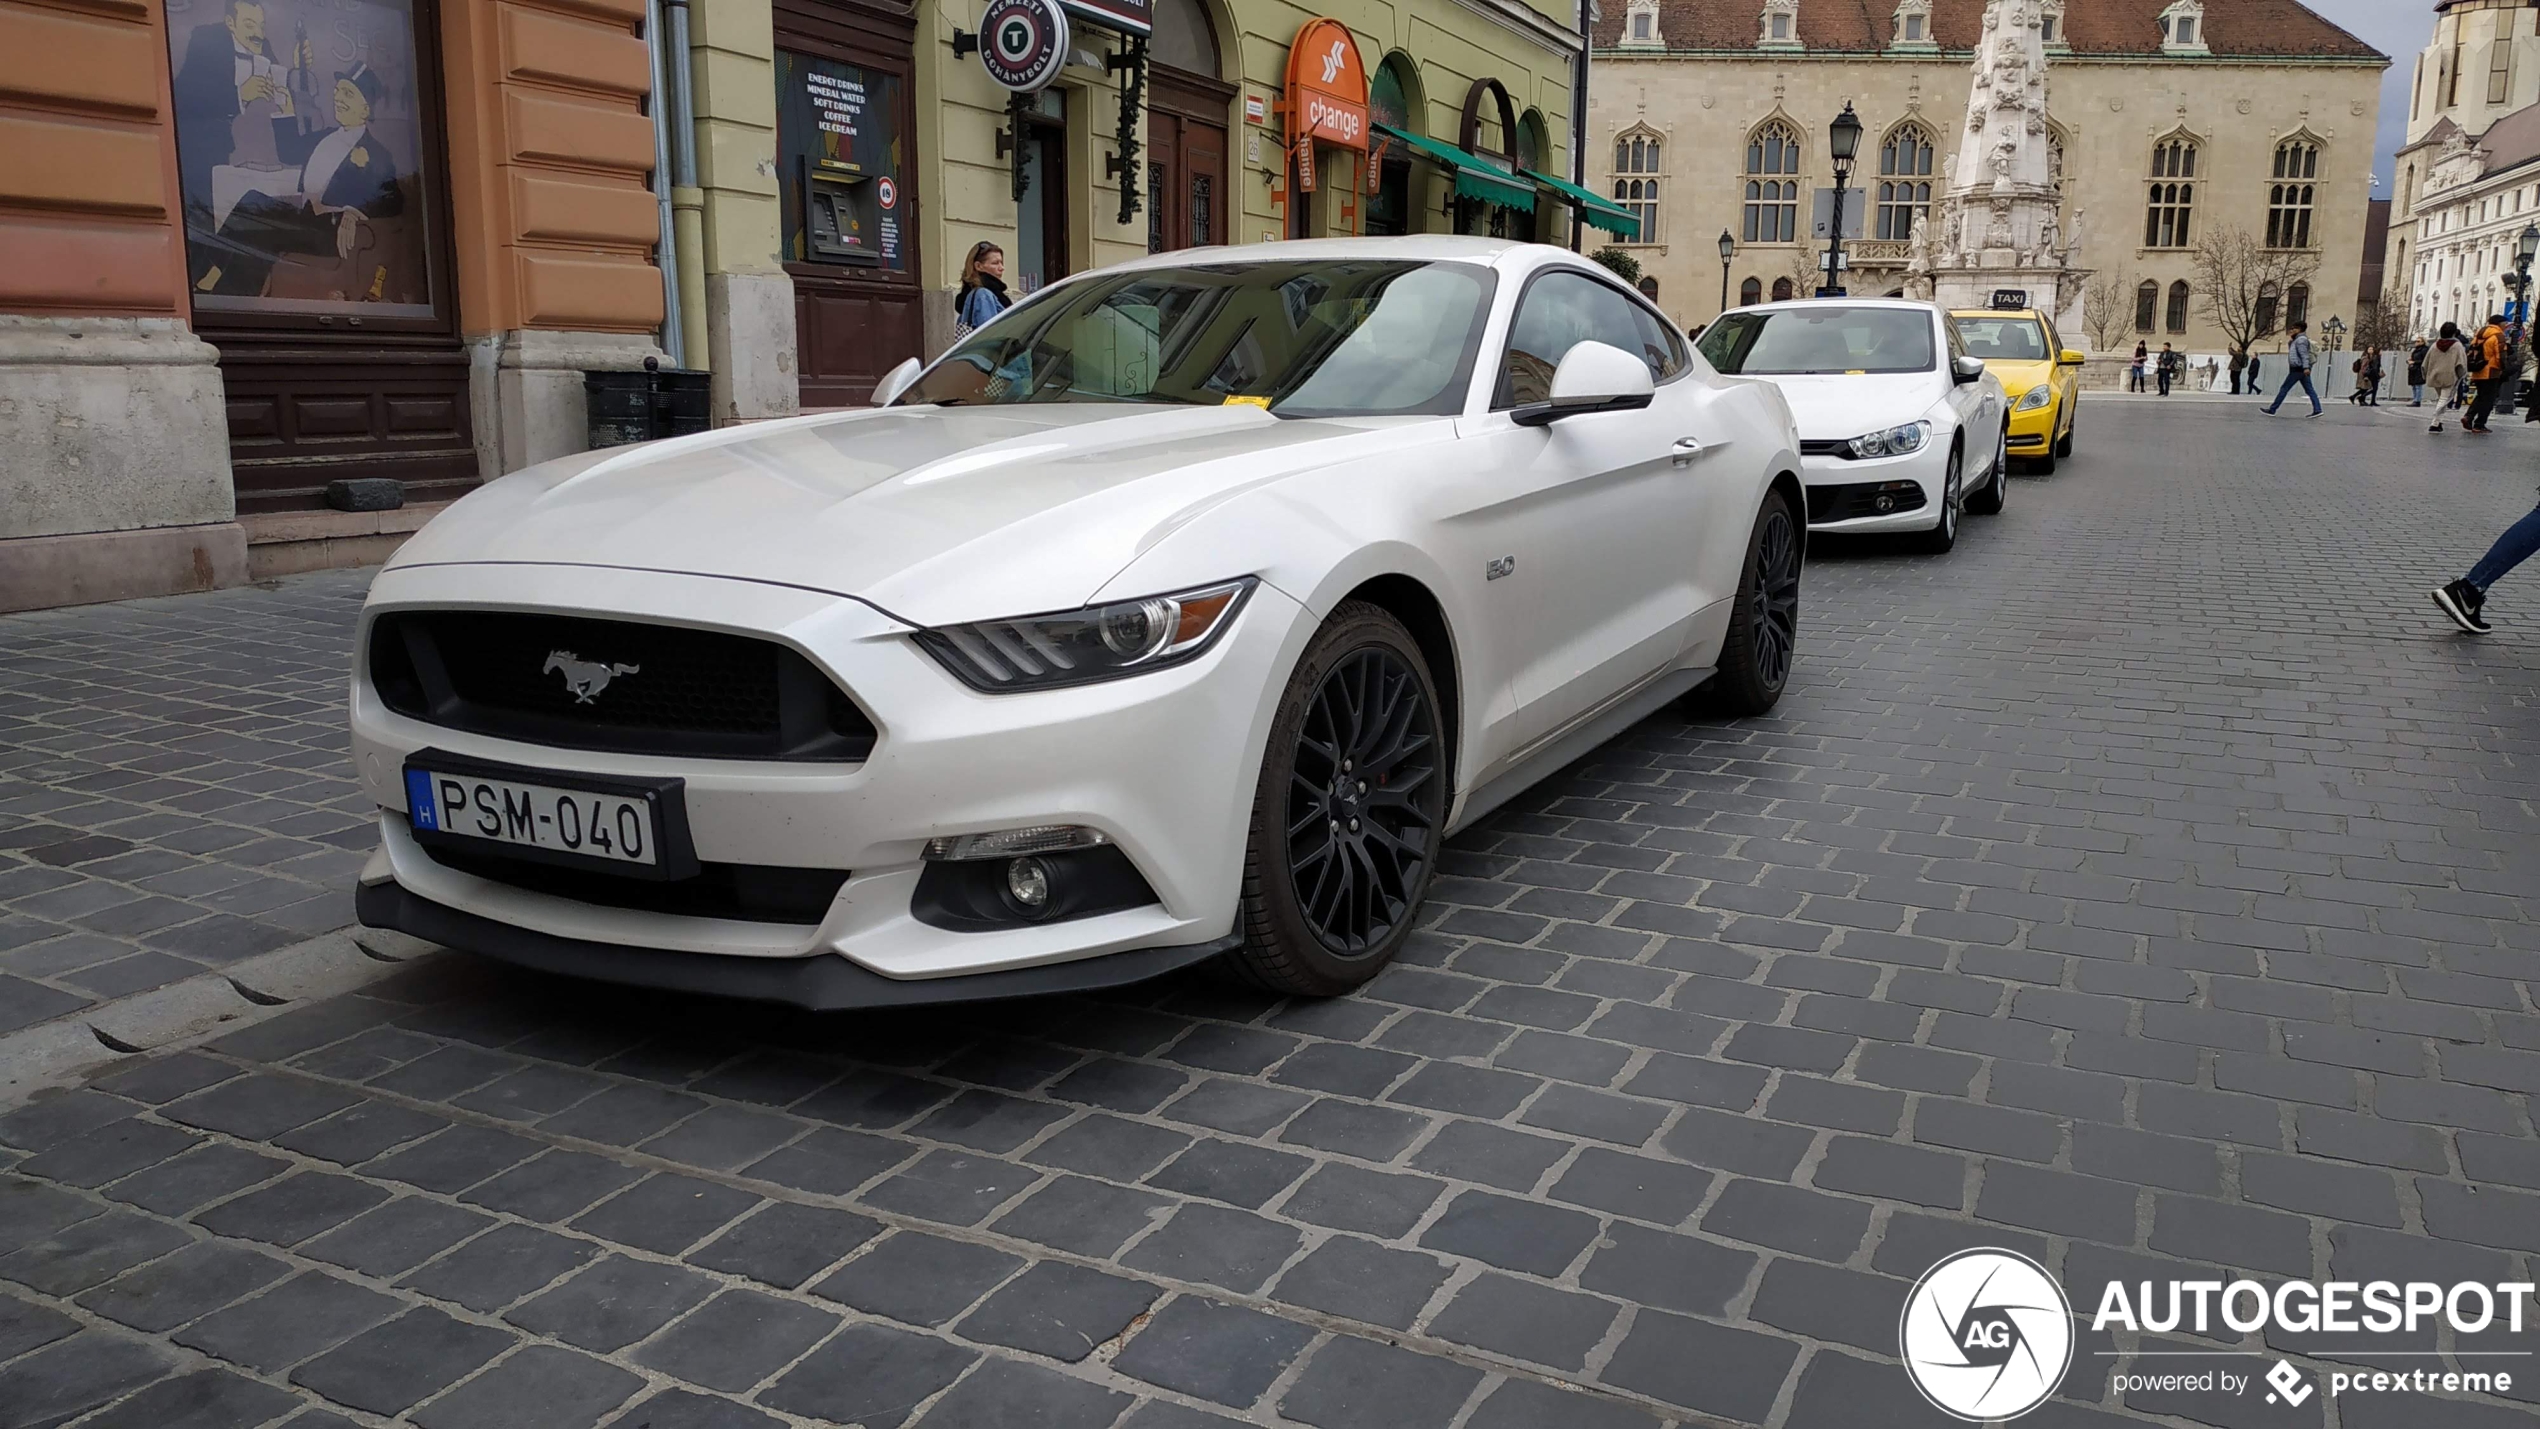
point(296, 165)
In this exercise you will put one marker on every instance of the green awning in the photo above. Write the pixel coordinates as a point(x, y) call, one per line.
point(1593, 207)
point(1473, 178)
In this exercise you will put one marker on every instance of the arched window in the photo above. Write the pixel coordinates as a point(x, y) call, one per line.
point(2269, 298)
point(1783, 292)
point(2147, 300)
point(2178, 306)
point(1750, 292)
point(1772, 200)
point(2166, 218)
point(1904, 180)
point(1636, 168)
point(2289, 197)
point(1391, 100)
point(2297, 304)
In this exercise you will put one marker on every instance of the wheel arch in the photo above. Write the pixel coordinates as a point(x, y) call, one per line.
point(1410, 601)
point(1795, 492)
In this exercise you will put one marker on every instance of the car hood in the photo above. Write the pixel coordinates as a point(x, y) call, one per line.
point(1836, 405)
point(932, 514)
point(2018, 377)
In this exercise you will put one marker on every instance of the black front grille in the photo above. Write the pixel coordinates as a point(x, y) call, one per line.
point(751, 893)
point(1820, 446)
point(579, 683)
point(1850, 503)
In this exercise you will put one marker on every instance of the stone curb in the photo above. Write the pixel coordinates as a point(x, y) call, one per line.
point(52, 1054)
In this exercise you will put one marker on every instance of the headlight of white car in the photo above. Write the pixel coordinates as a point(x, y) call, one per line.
point(1895, 441)
point(1078, 647)
point(2041, 395)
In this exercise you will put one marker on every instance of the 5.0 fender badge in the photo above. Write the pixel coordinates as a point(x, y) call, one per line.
point(1502, 566)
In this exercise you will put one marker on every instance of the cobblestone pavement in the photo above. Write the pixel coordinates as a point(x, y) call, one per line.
point(2146, 887)
point(174, 794)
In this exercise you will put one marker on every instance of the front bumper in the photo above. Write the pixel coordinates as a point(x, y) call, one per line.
point(1164, 764)
point(2033, 431)
point(1837, 489)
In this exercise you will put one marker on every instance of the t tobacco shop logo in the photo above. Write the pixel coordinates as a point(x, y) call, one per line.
point(1986, 1334)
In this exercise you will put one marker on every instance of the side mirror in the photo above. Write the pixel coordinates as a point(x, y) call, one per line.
point(1592, 377)
point(896, 381)
point(1967, 369)
point(2070, 358)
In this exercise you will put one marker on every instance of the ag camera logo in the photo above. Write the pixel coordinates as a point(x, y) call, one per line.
point(1986, 1335)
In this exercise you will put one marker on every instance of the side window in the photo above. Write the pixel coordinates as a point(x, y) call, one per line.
point(1660, 343)
point(1558, 312)
point(1957, 339)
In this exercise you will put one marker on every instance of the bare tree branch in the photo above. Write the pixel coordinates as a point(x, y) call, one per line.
point(2107, 309)
point(2384, 324)
point(2243, 284)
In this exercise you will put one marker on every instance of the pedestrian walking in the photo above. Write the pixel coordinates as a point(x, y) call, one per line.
point(983, 293)
point(2254, 389)
point(2135, 373)
point(2416, 373)
point(2465, 599)
point(2446, 370)
point(2167, 367)
point(2239, 365)
point(2486, 373)
point(2298, 357)
point(2373, 373)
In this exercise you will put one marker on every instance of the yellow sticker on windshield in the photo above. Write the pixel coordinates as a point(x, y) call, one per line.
point(1241, 401)
point(1858, 372)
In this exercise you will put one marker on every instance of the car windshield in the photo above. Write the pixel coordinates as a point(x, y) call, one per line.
point(2005, 339)
point(1303, 339)
point(1820, 339)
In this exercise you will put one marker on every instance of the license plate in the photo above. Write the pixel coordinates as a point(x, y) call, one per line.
point(636, 828)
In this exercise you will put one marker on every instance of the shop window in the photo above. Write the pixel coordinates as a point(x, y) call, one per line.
point(1388, 103)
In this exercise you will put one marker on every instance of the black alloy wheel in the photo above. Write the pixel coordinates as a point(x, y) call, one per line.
point(1763, 640)
point(1348, 817)
point(1988, 502)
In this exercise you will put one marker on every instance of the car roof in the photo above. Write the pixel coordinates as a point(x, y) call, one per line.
point(1998, 313)
point(1422, 247)
point(1803, 304)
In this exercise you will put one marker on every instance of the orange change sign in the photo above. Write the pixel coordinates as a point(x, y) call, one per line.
point(1327, 86)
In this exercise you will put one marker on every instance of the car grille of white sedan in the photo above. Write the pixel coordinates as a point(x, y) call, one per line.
point(624, 686)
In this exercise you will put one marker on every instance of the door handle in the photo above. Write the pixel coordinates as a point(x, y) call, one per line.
point(1686, 450)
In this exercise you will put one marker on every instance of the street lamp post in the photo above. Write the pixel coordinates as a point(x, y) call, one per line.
point(2515, 332)
point(1843, 144)
point(2335, 332)
point(1728, 252)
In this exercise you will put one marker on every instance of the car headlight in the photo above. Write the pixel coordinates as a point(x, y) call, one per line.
point(1895, 441)
point(2041, 395)
point(1078, 647)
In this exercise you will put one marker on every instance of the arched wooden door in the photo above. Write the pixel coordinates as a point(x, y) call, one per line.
point(1187, 104)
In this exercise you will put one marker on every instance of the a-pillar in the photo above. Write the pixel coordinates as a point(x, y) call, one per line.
point(115, 480)
point(553, 216)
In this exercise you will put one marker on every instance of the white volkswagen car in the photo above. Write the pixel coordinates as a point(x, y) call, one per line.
point(1181, 612)
point(1901, 428)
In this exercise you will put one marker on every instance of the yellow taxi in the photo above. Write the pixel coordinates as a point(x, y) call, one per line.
point(2040, 376)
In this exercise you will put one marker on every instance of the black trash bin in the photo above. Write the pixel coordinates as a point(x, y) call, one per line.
point(642, 406)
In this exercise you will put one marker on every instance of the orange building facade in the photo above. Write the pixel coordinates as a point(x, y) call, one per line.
point(252, 247)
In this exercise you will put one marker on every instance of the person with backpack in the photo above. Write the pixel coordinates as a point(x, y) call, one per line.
point(2446, 369)
point(2298, 356)
point(2465, 599)
point(2416, 373)
point(2487, 371)
point(983, 292)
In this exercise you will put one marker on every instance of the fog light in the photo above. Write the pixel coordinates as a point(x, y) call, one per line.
point(1027, 882)
point(1885, 503)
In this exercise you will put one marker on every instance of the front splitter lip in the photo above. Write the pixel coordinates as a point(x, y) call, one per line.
point(822, 983)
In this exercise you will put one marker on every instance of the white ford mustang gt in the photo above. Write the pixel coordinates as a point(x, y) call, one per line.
point(1181, 612)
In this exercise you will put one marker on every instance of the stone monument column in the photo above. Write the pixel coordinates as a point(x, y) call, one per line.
point(1996, 226)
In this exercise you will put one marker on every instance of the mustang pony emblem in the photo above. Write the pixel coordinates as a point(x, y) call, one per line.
point(585, 678)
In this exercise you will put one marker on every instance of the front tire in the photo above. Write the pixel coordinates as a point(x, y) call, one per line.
point(1349, 813)
point(1988, 502)
point(2064, 445)
point(1941, 538)
point(1763, 638)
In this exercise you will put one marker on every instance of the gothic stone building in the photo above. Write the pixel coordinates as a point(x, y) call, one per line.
point(2170, 119)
